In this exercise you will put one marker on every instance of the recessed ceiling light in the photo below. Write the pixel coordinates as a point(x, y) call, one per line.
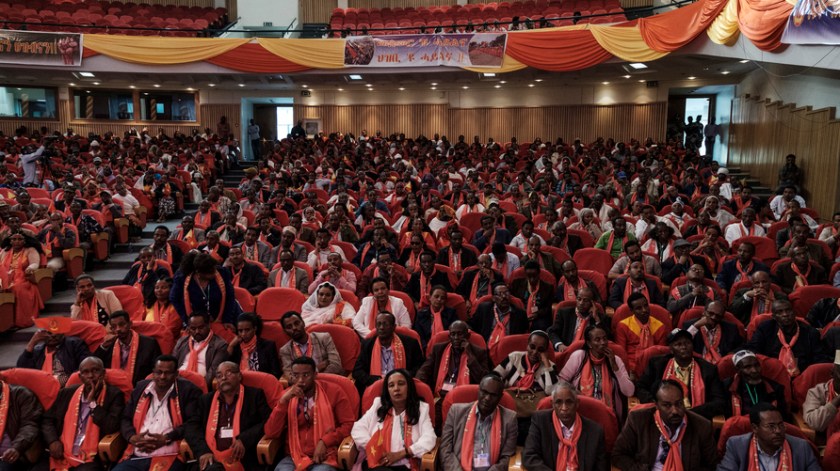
point(87, 91)
point(305, 86)
point(86, 74)
point(355, 77)
point(370, 89)
point(341, 89)
point(96, 83)
point(465, 87)
point(402, 88)
point(241, 84)
point(538, 80)
point(744, 61)
point(641, 81)
point(156, 85)
point(725, 72)
point(626, 76)
point(605, 83)
point(488, 74)
point(133, 87)
point(144, 93)
point(692, 77)
point(434, 88)
point(72, 84)
point(497, 86)
point(434, 84)
point(531, 85)
point(211, 84)
point(503, 82)
point(638, 65)
point(368, 84)
point(189, 89)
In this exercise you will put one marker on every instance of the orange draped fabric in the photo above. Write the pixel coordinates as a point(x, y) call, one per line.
point(255, 58)
point(558, 51)
point(763, 22)
point(670, 31)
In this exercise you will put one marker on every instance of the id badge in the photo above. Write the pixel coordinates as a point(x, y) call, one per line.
point(447, 387)
point(481, 460)
point(226, 432)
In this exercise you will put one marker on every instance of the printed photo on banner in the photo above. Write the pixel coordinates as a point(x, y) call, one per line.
point(40, 48)
point(424, 50)
point(813, 22)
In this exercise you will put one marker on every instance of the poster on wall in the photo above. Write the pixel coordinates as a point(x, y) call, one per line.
point(813, 22)
point(424, 50)
point(40, 48)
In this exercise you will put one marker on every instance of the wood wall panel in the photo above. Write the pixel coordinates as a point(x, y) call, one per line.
point(397, 3)
point(315, 11)
point(410, 119)
point(764, 132)
point(180, 3)
point(210, 115)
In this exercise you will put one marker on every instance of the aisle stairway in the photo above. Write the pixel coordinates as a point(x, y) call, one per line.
point(761, 192)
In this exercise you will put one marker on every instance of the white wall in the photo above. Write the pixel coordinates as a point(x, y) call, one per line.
point(803, 90)
point(255, 12)
point(723, 116)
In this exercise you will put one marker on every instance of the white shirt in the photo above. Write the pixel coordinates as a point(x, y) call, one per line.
point(778, 204)
point(512, 264)
point(736, 231)
point(202, 358)
point(398, 309)
point(128, 202)
point(521, 242)
point(158, 421)
point(318, 257)
point(423, 436)
point(658, 465)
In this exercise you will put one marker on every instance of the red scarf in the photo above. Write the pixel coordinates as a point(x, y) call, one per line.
point(203, 220)
point(628, 290)
point(830, 394)
point(786, 353)
point(673, 462)
point(801, 278)
point(278, 281)
point(675, 293)
point(437, 321)
point(224, 457)
point(323, 421)
point(90, 444)
point(570, 291)
point(531, 307)
point(375, 310)
point(743, 273)
point(712, 350)
point(426, 286)
point(468, 443)
point(785, 457)
point(220, 282)
point(736, 395)
point(174, 406)
point(380, 443)
point(611, 241)
point(567, 456)
point(474, 295)
point(195, 348)
point(455, 263)
point(755, 311)
point(443, 370)
point(527, 380)
point(116, 356)
point(499, 329)
point(696, 387)
point(247, 348)
point(376, 356)
point(587, 380)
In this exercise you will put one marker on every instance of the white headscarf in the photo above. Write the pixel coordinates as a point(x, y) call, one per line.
point(313, 314)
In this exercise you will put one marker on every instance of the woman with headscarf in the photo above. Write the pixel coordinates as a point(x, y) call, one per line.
point(444, 216)
point(587, 221)
point(326, 306)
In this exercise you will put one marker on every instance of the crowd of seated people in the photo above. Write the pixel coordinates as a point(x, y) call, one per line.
point(354, 299)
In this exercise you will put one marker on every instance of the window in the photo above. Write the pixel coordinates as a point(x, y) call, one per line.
point(167, 106)
point(285, 121)
point(102, 104)
point(23, 102)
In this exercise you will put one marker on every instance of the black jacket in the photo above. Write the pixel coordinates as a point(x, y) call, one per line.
point(715, 401)
point(729, 342)
point(252, 278)
point(465, 285)
point(269, 360)
point(107, 416)
point(468, 258)
point(413, 286)
point(808, 349)
point(361, 371)
point(823, 312)
point(423, 323)
point(478, 362)
point(565, 321)
point(147, 352)
point(484, 317)
point(617, 293)
point(542, 445)
point(70, 353)
point(188, 395)
point(23, 419)
point(545, 296)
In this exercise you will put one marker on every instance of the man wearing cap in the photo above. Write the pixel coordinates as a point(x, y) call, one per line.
point(714, 337)
point(704, 393)
point(633, 253)
point(287, 242)
point(739, 268)
point(51, 350)
point(823, 401)
point(748, 388)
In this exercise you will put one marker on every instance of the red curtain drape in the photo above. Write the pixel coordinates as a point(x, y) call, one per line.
point(556, 50)
point(254, 58)
point(672, 30)
point(763, 22)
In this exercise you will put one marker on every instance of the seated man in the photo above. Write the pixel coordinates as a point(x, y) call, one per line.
point(768, 445)
point(455, 255)
point(561, 238)
point(536, 295)
point(421, 281)
point(92, 304)
point(287, 275)
point(713, 336)
point(385, 352)
point(395, 277)
point(667, 435)
point(639, 331)
point(20, 413)
point(633, 253)
point(249, 350)
point(51, 350)
point(830, 234)
point(704, 391)
point(613, 241)
point(154, 437)
point(200, 351)
point(503, 261)
point(498, 318)
point(691, 294)
point(246, 274)
point(454, 362)
point(125, 349)
point(287, 241)
point(55, 238)
point(756, 299)
point(319, 256)
point(145, 272)
point(256, 250)
point(477, 283)
point(316, 345)
point(188, 233)
point(163, 250)
point(212, 245)
point(748, 227)
point(334, 273)
point(739, 268)
point(800, 235)
point(795, 343)
point(471, 441)
point(823, 401)
point(220, 435)
point(561, 439)
point(799, 271)
point(317, 415)
point(379, 301)
point(489, 234)
point(635, 282)
point(678, 265)
point(571, 283)
point(824, 312)
point(748, 388)
point(436, 317)
point(79, 417)
point(571, 322)
point(544, 260)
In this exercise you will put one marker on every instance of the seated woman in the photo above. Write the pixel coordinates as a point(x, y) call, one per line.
point(160, 311)
point(588, 221)
point(434, 318)
point(598, 373)
point(18, 261)
point(410, 255)
point(251, 352)
point(399, 418)
point(325, 306)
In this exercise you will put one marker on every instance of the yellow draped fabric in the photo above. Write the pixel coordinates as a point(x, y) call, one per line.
point(156, 50)
point(315, 53)
point(625, 42)
point(509, 64)
point(724, 29)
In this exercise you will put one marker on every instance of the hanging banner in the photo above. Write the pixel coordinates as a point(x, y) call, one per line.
point(424, 50)
point(813, 22)
point(40, 48)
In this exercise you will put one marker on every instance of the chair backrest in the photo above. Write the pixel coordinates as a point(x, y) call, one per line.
point(440, 337)
point(272, 388)
point(274, 302)
point(803, 298)
point(350, 297)
point(274, 331)
point(545, 276)
point(160, 332)
point(346, 341)
point(456, 302)
point(199, 381)
point(41, 383)
point(741, 424)
point(771, 368)
point(93, 333)
point(595, 410)
point(508, 344)
point(755, 322)
point(765, 248)
point(346, 384)
point(598, 279)
point(813, 375)
point(469, 393)
point(488, 298)
point(696, 312)
point(245, 298)
point(593, 259)
point(644, 356)
point(831, 455)
point(131, 299)
point(117, 378)
point(406, 299)
point(423, 390)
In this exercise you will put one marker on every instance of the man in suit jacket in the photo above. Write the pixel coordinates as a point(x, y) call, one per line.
point(767, 438)
point(283, 275)
point(145, 272)
point(733, 271)
point(484, 319)
point(212, 245)
point(569, 323)
point(489, 233)
point(426, 317)
point(420, 283)
point(536, 295)
point(393, 351)
point(543, 450)
point(200, 351)
point(664, 433)
point(163, 250)
point(544, 260)
point(681, 365)
point(124, 349)
point(256, 250)
point(92, 304)
point(561, 239)
point(213, 449)
point(316, 345)
point(463, 422)
point(188, 233)
point(756, 299)
point(799, 271)
point(247, 275)
point(713, 336)
point(22, 419)
point(449, 356)
point(571, 283)
point(619, 293)
point(824, 312)
point(67, 352)
point(455, 256)
point(479, 282)
point(694, 292)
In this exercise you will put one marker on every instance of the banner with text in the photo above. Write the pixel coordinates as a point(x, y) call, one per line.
point(813, 22)
point(40, 48)
point(423, 50)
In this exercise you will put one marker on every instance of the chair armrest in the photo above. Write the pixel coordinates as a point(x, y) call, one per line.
point(347, 453)
point(809, 433)
point(111, 447)
point(427, 463)
point(515, 462)
point(718, 421)
point(185, 452)
point(71, 253)
point(42, 273)
point(267, 449)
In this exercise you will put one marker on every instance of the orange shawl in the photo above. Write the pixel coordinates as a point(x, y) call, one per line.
point(587, 380)
point(785, 457)
point(567, 457)
point(697, 387)
point(163, 461)
point(673, 462)
point(90, 444)
point(380, 443)
point(116, 356)
point(376, 356)
point(323, 421)
point(468, 443)
point(443, 369)
point(224, 457)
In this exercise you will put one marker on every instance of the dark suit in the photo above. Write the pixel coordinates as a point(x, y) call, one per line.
point(222, 250)
point(423, 323)
point(729, 274)
point(638, 443)
point(477, 362)
point(255, 412)
point(452, 438)
point(715, 400)
point(545, 296)
point(737, 449)
point(742, 309)
point(106, 416)
point(542, 445)
point(560, 292)
point(484, 319)
point(70, 354)
point(481, 242)
point(546, 261)
point(252, 278)
point(187, 394)
point(147, 350)
point(617, 293)
point(468, 258)
point(215, 354)
point(730, 338)
point(823, 312)
point(147, 286)
point(23, 418)
point(413, 287)
point(786, 278)
point(671, 270)
point(776, 396)
point(563, 329)
point(808, 349)
point(361, 371)
point(467, 278)
point(267, 357)
point(573, 244)
point(688, 299)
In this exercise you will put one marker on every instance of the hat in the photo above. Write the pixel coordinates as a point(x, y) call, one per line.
point(723, 170)
point(97, 159)
point(676, 334)
point(740, 355)
point(94, 143)
point(54, 325)
point(679, 201)
point(621, 175)
point(681, 243)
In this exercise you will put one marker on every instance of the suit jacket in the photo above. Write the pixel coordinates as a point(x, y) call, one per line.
point(215, 354)
point(737, 448)
point(188, 395)
point(423, 322)
point(147, 350)
point(23, 419)
point(147, 286)
point(267, 357)
point(70, 353)
point(465, 286)
point(547, 262)
point(786, 278)
point(301, 279)
point(617, 293)
point(687, 299)
point(565, 321)
point(716, 398)
point(729, 272)
point(361, 371)
point(106, 299)
point(483, 320)
point(742, 308)
point(823, 313)
point(323, 344)
point(638, 443)
point(808, 349)
point(252, 278)
point(478, 363)
point(542, 445)
point(671, 270)
point(468, 257)
point(545, 296)
point(730, 338)
point(197, 233)
point(453, 437)
point(413, 286)
point(255, 412)
point(222, 251)
point(107, 416)
point(480, 241)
